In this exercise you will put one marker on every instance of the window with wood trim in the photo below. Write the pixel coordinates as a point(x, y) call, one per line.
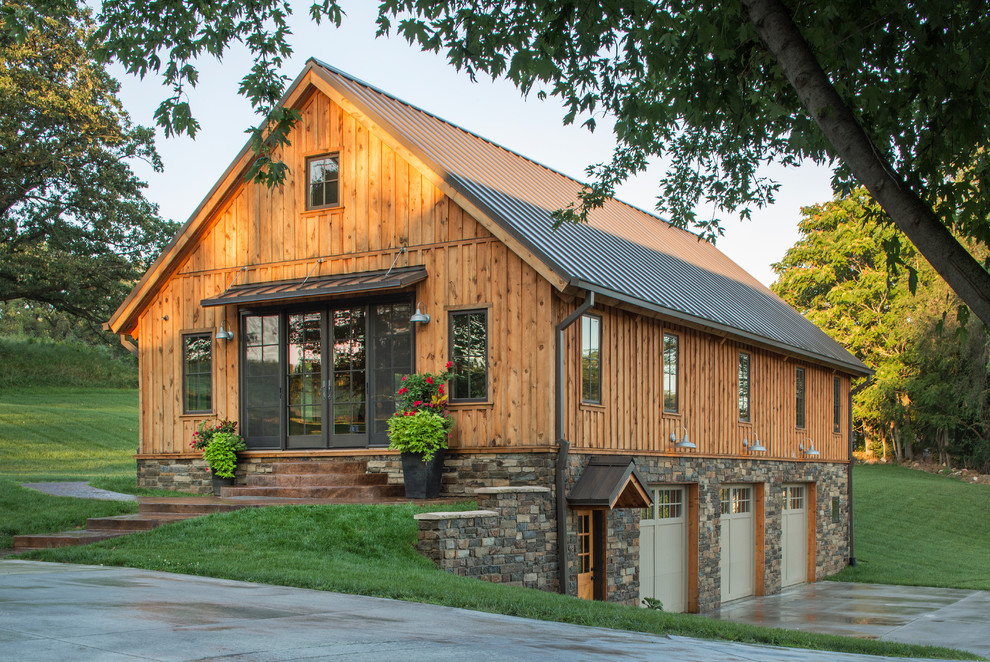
point(323, 181)
point(744, 392)
point(799, 397)
point(836, 404)
point(670, 369)
point(591, 359)
point(468, 334)
point(197, 373)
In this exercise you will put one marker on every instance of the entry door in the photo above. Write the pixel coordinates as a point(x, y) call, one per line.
point(794, 535)
point(738, 542)
point(590, 554)
point(663, 545)
point(348, 377)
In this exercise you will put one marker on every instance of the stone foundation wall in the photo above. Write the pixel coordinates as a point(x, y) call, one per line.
point(178, 474)
point(512, 539)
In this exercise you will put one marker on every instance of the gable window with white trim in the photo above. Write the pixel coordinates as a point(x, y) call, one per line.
point(323, 181)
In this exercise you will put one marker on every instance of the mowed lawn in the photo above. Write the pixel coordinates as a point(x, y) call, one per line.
point(919, 529)
point(50, 433)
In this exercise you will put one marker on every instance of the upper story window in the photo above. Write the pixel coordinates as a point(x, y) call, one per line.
point(197, 373)
point(799, 397)
point(591, 359)
point(836, 404)
point(670, 363)
point(744, 410)
point(323, 181)
point(469, 354)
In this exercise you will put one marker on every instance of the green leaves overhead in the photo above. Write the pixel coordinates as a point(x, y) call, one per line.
point(75, 229)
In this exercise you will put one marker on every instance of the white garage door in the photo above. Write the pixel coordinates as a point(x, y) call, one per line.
point(794, 535)
point(738, 543)
point(663, 549)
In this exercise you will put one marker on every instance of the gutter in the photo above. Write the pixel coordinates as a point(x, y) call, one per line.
point(563, 446)
point(849, 467)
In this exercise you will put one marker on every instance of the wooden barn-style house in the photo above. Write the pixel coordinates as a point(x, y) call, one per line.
point(693, 430)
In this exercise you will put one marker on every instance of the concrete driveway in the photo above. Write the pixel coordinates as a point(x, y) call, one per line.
point(909, 614)
point(66, 612)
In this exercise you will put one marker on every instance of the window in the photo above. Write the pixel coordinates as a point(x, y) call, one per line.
point(469, 354)
point(799, 397)
point(591, 359)
point(736, 500)
point(670, 372)
point(836, 404)
point(323, 181)
point(792, 497)
point(744, 414)
point(197, 373)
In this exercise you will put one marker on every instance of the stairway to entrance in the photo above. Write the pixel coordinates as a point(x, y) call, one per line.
point(340, 481)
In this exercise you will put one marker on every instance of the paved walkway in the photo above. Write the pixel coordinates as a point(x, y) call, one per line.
point(80, 491)
point(909, 614)
point(70, 612)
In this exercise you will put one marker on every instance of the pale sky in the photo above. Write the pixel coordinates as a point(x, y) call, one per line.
point(494, 110)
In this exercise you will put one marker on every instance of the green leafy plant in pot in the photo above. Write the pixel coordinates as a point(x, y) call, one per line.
point(419, 429)
point(220, 443)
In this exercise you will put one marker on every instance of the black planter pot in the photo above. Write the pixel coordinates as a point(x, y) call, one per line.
point(219, 482)
point(422, 479)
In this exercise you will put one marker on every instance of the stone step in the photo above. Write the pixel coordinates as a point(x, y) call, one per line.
point(320, 466)
point(347, 492)
point(139, 522)
point(63, 539)
point(315, 479)
point(186, 506)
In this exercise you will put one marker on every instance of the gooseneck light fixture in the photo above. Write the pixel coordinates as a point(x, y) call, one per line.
point(223, 333)
point(683, 442)
point(754, 446)
point(422, 318)
point(809, 450)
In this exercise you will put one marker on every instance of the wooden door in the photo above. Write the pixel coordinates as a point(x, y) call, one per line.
point(585, 556)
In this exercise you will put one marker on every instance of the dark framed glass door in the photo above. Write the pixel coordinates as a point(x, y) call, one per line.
point(323, 377)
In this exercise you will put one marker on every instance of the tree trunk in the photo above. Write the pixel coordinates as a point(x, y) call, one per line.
point(895, 435)
point(909, 212)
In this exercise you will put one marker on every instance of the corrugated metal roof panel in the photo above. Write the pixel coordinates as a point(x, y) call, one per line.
point(621, 251)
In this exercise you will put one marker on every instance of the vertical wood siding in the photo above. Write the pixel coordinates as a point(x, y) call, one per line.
point(631, 418)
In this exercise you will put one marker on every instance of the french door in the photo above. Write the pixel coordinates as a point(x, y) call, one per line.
point(323, 376)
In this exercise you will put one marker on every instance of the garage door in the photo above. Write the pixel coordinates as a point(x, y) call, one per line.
point(663, 549)
point(794, 535)
point(738, 542)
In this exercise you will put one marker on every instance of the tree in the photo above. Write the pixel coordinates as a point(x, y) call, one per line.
point(894, 94)
point(932, 383)
point(75, 228)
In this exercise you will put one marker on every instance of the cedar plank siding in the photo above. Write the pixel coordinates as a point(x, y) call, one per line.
point(631, 419)
point(386, 203)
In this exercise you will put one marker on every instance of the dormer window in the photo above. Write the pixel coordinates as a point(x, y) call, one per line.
point(323, 181)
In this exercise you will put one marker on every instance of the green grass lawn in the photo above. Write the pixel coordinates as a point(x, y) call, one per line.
point(919, 529)
point(368, 550)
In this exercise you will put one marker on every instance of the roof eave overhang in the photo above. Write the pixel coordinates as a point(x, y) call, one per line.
point(851, 368)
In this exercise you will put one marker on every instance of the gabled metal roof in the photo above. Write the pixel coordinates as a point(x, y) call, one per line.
point(610, 482)
point(622, 252)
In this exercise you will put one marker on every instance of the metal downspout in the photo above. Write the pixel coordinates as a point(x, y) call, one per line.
point(849, 469)
point(562, 444)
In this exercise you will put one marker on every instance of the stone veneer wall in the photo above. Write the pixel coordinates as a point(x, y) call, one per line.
point(511, 540)
point(464, 473)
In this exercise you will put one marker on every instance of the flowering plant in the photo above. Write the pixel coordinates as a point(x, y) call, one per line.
point(202, 437)
point(421, 423)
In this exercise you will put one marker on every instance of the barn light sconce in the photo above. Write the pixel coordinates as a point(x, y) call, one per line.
point(754, 446)
point(809, 450)
point(422, 318)
point(683, 442)
point(223, 333)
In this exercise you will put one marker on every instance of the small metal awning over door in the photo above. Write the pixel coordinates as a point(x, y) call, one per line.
point(306, 288)
point(610, 482)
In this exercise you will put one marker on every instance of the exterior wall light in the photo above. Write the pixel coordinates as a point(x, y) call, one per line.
point(809, 450)
point(754, 446)
point(683, 442)
point(422, 318)
point(223, 333)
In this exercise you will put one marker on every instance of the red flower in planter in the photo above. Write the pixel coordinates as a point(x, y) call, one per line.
point(429, 380)
point(450, 364)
